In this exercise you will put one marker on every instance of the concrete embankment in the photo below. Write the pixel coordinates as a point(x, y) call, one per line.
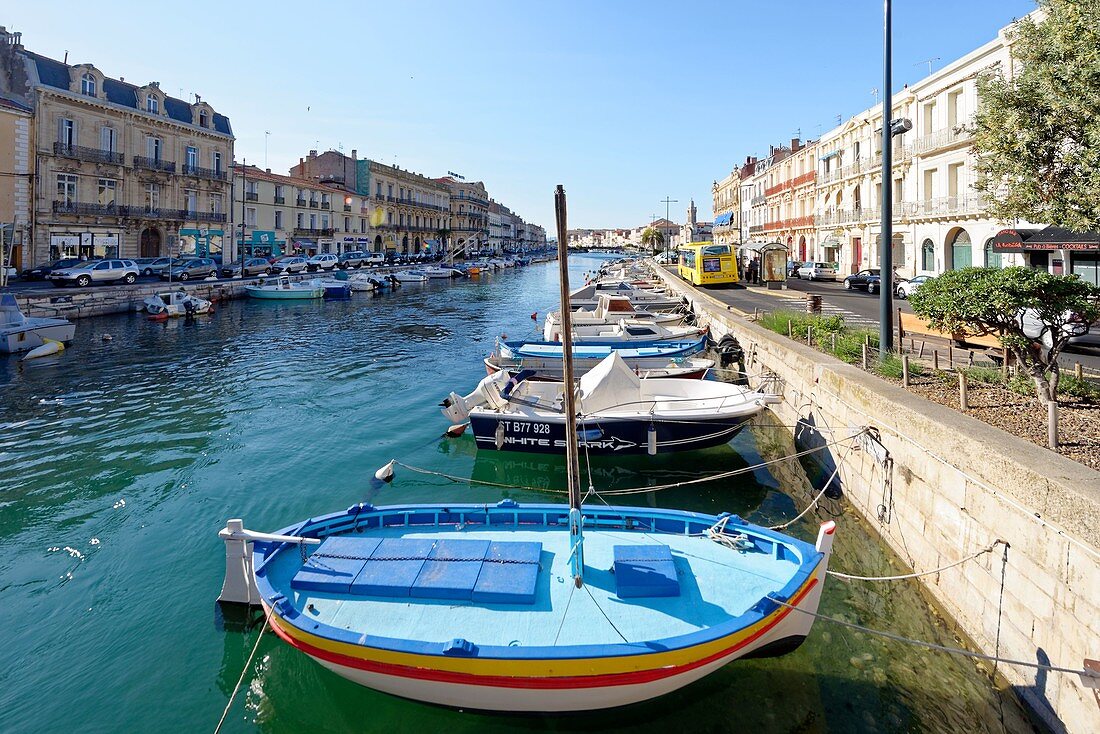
point(952, 485)
point(78, 303)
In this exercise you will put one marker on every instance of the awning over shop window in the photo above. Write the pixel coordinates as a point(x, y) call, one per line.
point(1047, 239)
point(827, 156)
point(722, 220)
point(303, 242)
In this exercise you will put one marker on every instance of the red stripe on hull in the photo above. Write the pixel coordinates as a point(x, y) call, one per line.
point(581, 681)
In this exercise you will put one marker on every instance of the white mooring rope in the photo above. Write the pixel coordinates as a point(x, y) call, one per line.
point(901, 577)
point(244, 671)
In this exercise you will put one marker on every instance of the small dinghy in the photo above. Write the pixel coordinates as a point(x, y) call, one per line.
point(21, 333)
point(334, 290)
point(282, 288)
point(516, 350)
point(642, 298)
point(176, 303)
point(610, 309)
point(618, 412)
point(435, 273)
point(685, 368)
point(634, 331)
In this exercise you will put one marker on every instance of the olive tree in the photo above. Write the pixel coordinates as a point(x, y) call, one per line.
point(1033, 313)
point(1037, 128)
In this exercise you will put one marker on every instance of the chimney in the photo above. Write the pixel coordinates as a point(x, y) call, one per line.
point(268, 170)
point(354, 154)
point(301, 162)
point(795, 145)
point(313, 154)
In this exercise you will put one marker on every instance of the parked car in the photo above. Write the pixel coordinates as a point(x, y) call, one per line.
point(352, 259)
point(154, 265)
point(42, 272)
point(375, 258)
point(288, 265)
point(906, 288)
point(323, 261)
point(96, 271)
point(792, 268)
point(252, 266)
point(817, 271)
point(862, 280)
point(196, 267)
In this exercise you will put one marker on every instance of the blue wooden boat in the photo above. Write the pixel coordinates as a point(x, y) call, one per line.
point(595, 350)
point(479, 607)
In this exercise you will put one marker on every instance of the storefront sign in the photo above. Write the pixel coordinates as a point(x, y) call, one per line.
point(201, 242)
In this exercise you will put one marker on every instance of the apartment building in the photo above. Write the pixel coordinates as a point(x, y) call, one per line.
point(407, 210)
point(791, 199)
point(122, 169)
point(469, 214)
point(726, 204)
point(16, 157)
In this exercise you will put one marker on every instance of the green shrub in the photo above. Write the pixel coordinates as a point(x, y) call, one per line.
point(777, 321)
point(987, 375)
point(1022, 384)
point(889, 366)
point(1083, 389)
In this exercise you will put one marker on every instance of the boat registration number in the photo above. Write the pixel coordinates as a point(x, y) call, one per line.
point(525, 427)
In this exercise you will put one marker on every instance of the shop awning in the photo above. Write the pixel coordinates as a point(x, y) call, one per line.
point(304, 242)
point(1046, 239)
point(722, 220)
point(827, 156)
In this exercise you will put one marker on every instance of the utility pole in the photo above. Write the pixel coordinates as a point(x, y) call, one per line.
point(886, 239)
point(666, 202)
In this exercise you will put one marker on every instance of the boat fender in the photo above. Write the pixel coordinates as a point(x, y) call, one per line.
point(456, 430)
point(535, 316)
point(385, 473)
point(107, 337)
point(651, 440)
point(50, 346)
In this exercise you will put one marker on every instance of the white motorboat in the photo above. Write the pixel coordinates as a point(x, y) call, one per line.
point(634, 332)
point(410, 276)
point(441, 273)
point(282, 288)
point(20, 333)
point(176, 303)
point(647, 299)
point(611, 309)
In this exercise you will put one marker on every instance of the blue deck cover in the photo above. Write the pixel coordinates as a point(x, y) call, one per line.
point(334, 565)
point(644, 571)
point(451, 569)
point(393, 567)
point(509, 574)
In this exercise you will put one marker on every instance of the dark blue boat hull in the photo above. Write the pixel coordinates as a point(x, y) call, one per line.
point(615, 436)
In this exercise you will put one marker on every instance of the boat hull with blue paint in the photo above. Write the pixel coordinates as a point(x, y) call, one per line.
point(596, 350)
point(474, 606)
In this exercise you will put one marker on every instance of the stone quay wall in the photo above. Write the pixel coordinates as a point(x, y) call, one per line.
point(954, 486)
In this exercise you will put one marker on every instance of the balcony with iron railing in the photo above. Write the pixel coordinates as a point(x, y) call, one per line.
point(81, 153)
point(313, 231)
point(756, 228)
point(154, 164)
point(280, 199)
point(792, 223)
point(757, 200)
point(347, 207)
point(941, 139)
point(81, 208)
point(200, 172)
point(946, 206)
point(300, 201)
point(252, 196)
point(326, 205)
point(197, 216)
point(314, 204)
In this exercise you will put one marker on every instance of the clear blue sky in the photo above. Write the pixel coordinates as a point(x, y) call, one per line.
point(622, 102)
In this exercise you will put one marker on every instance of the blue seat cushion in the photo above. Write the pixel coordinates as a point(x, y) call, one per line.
point(451, 569)
point(509, 574)
point(644, 571)
point(393, 567)
point(334, 565)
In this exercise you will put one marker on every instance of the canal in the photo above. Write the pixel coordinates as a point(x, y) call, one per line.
point(121, 459)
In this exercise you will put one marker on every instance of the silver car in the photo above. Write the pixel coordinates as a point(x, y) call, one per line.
point(153, 265)
point(817, 271)
point(96, 271)
point(252, 266)
point(289, 265)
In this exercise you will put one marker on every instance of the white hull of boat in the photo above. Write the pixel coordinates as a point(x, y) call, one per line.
point(794, 625)
point(27, 338)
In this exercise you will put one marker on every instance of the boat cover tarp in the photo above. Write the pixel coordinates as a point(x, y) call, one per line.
point(10, 315)
point(489, 572)
point(610, 383)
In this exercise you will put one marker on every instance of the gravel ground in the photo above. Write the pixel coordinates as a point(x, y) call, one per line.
point(1078, 422)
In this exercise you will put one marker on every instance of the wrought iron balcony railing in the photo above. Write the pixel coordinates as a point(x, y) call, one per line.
point(200, 172)
point(81, 153)
point(154, 164)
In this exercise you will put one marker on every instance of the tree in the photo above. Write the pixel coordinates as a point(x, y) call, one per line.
point(1037, 131)
point(1033, 313)
point(653, 239)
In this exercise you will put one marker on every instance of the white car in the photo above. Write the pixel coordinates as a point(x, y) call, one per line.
point(289, 265)
point(817, 271)
point(906, 287)
point(96, 271)
point(324, 261)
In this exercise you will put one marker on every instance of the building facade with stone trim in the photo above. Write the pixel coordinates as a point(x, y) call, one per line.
point(123, 170)
point(791, 200)
point(726, 204)
point(16, 178)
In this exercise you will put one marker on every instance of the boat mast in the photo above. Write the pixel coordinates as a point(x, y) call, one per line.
point(572, 460)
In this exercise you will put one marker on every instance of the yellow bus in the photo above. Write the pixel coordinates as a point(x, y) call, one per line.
point(705, 263)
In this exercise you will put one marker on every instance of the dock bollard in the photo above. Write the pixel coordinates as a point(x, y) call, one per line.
point(964, 403)
point(905, 370)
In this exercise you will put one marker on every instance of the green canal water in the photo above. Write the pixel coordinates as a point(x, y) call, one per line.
point(120, 460)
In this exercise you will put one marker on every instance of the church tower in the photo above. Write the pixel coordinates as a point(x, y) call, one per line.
point(691, 214)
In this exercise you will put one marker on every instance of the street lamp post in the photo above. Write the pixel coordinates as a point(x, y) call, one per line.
point(666, 202)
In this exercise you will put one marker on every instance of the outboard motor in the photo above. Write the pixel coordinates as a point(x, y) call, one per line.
point(729, 351)
point(457, 408)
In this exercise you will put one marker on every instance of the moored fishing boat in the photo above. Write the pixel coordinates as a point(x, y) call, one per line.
point(282, 288)
point(687, 368)
point(176, 303)
point(334, 290)
point(610, 309)
point(410, 276)
point(648, 299)
point(634, 331)
point(517, 350)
